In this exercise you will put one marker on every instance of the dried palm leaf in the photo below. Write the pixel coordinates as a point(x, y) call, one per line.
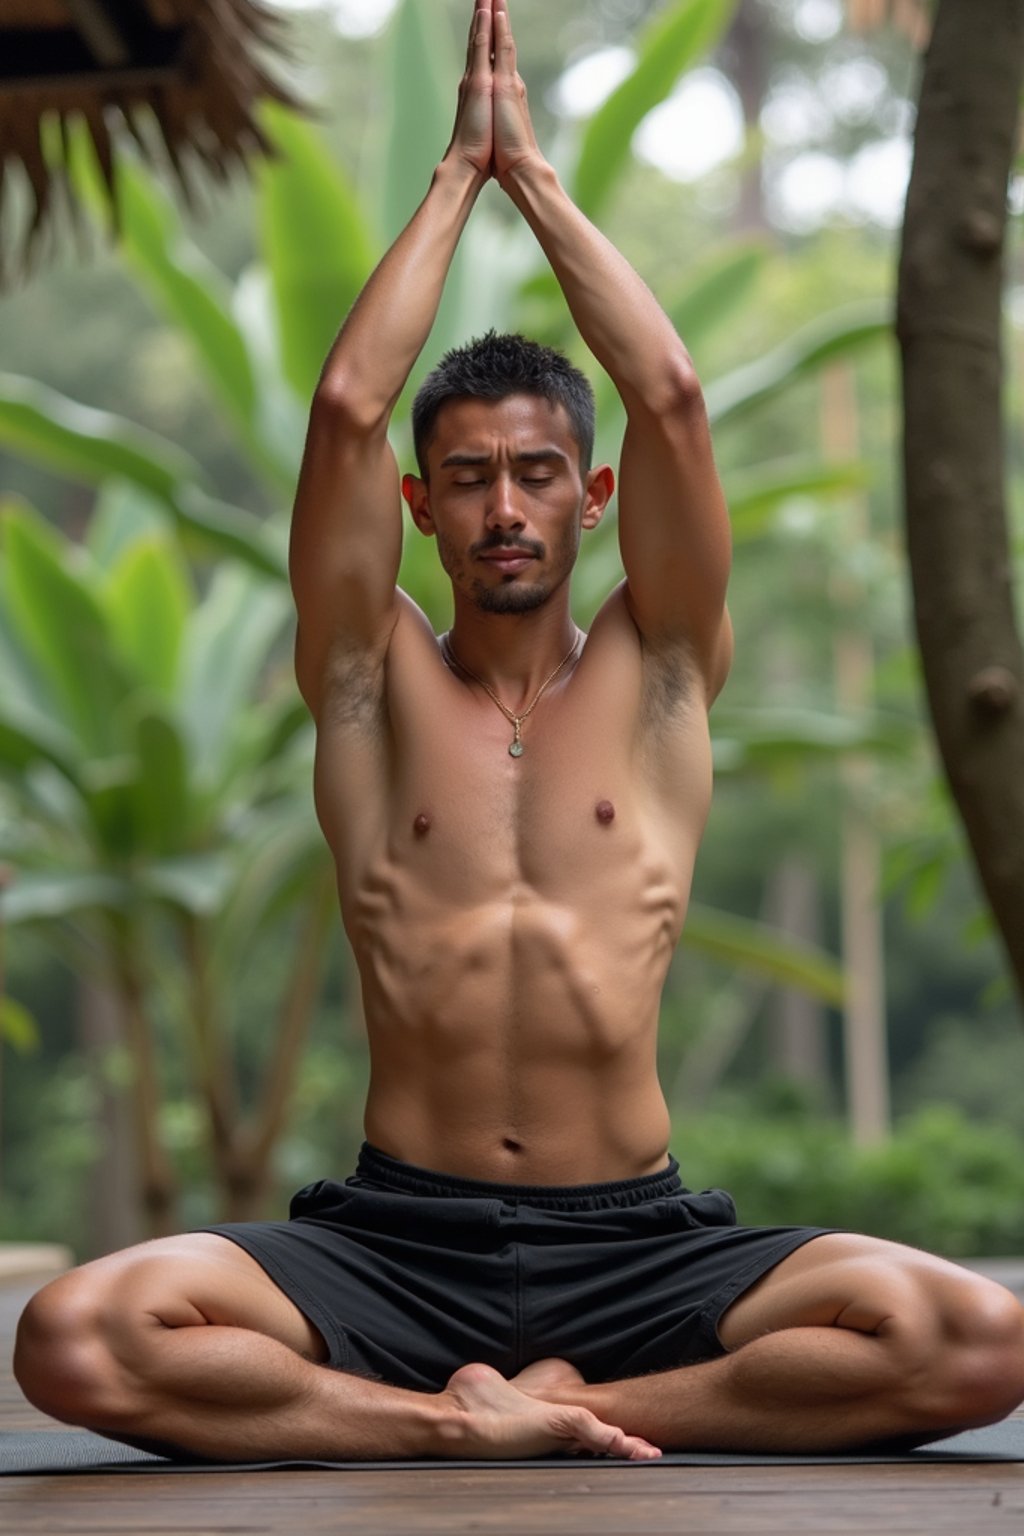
point(194, 64)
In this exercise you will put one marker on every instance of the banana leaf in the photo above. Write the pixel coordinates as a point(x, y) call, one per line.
point(834, 336)
point(676, 39)
point(315, 241)
point(752, 946)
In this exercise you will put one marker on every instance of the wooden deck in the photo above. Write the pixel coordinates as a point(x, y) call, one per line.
point(593, 1501)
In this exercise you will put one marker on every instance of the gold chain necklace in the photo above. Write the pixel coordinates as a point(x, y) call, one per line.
point(516, 747)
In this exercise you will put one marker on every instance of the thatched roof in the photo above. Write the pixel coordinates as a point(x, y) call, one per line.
point(194, 64)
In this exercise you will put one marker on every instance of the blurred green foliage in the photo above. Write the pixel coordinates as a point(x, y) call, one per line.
point(197, 345)
point(942, 1183)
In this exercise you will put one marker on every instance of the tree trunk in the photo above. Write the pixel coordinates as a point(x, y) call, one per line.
point(746, 53)
point(798, 1020)
point(950, 294)
point(115, 1219)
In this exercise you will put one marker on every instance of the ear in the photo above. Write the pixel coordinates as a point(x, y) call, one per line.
point(417, 496)
point(600, 490)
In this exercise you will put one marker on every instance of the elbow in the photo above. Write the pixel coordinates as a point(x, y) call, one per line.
point(681, 393)
point(673, 392)
point(354, 409)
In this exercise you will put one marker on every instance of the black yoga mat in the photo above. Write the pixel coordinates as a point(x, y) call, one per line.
point(76, 1450)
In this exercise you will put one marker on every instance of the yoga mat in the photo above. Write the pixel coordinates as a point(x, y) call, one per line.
point(76, 1450)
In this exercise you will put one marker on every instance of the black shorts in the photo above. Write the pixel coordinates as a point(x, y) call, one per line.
point(409, 1274)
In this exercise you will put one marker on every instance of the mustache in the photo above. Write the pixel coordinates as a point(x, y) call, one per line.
point(497, 542)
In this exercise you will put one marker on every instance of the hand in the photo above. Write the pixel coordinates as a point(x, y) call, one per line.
point(514, 138)
point(473, 138)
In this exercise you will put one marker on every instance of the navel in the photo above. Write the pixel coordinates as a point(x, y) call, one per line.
point(422, 825)
point(605, 813)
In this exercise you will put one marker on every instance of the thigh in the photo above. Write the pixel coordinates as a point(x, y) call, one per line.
point(842, 1279)
point(178, 1282)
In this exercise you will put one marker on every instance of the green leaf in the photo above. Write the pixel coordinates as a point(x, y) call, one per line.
point(183, 285)
point(769, 738)
point(834, 336)
point(229, 644)
point(68, 438)
point(764, 950)
point(75, 440)
point(717, 290)
point(111, 786)
point(122, 514)
point(198, 884)
point(187, 288)
point(28, 736)
point(17, 1026)
point(47, 898)
point(674, 41)
point(755, 499)
point(422, 71)
point(64, 628)
point(316, 242)
point(220, 529)
point(147, 600)
point(161, 789)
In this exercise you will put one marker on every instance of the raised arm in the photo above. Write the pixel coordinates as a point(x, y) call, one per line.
point(346, 542)
point(673, 524)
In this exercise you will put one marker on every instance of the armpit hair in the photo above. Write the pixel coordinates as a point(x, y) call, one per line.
point(353, 691)
point(671, 684)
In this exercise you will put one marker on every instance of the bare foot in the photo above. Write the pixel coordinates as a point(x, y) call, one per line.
point(498, 1421)
point(545, 1376)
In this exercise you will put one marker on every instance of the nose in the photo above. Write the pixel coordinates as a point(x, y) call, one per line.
point(503, 512)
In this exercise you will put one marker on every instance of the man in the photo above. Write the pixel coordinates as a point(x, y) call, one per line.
point(514, 812)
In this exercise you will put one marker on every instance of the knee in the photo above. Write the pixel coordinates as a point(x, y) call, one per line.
point(977, 1374)
point(62, 1358)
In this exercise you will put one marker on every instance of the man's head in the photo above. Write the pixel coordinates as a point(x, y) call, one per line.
point(504, 434)
point(495, 367)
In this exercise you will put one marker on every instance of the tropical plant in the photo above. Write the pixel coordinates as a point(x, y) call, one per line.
point(148, 781)
point(154, 772)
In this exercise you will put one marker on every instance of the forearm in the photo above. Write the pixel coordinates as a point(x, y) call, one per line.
point(615, 312)
point(388, 326)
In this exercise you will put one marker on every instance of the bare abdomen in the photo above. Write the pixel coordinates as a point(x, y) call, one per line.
point(517, 1039)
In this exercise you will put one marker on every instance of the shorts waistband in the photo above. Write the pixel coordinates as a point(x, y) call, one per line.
point(379, 1168)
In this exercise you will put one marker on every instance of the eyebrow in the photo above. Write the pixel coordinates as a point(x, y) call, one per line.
point(528, 456)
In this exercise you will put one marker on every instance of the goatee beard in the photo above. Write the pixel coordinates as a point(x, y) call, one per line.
point(509, 600)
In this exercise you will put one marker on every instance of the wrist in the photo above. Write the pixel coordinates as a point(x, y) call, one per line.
point(460, 175)
point(530, 175)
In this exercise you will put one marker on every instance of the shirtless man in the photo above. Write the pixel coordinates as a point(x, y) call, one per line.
point(515, 812)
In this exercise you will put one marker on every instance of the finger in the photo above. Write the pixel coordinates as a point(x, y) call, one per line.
point(505, 55)
point(480, 30)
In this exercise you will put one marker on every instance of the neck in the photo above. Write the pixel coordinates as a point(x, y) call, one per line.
point(513, 653)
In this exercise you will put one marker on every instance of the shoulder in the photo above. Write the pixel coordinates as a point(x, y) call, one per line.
point(358, 679)
point(671, 673)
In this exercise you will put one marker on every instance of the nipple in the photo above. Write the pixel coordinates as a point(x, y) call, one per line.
point(421, 826)
point(605, 813)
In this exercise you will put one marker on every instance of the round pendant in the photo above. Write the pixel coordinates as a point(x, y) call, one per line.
point(516, 749)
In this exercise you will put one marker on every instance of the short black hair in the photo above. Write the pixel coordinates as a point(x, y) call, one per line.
point(493, 367)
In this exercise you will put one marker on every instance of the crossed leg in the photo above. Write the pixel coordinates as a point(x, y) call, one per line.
point(848, 1341)
point(185, 1344)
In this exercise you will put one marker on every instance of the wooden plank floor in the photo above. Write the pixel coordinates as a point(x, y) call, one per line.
point(592, 1501)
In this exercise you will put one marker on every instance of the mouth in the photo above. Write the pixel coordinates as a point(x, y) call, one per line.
point(509, 561)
